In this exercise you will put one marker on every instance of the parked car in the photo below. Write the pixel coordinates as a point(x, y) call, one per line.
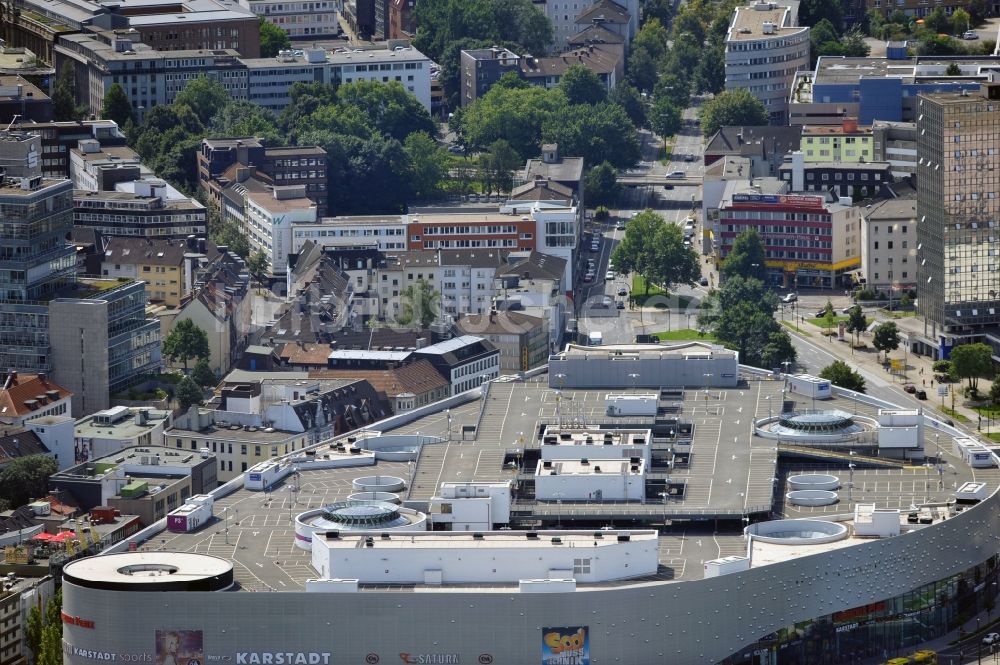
point(910, 388)
point(921, 394)
point(991, 638)
point(622, 291)
point(689, 157)
point(609, 275)
point(620, 225)
point(790, 297)
point(676, 175)
point(620, 304)
point(971, 34)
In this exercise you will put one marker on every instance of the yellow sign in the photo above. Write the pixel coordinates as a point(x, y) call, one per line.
point(897, 364)
point(16, 554)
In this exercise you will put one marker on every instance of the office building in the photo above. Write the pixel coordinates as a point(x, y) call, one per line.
point(59, 138)
point(148, 209)
point(22, 100)
point(163, 264)
point(18, 595)
point(765, 46)
point(401, 24)
point(36, 261)
point(957, 205)
point(523, 339)
point(849, 178)
point(846, 142)
point(101, 341)
point(222, 161)
point(889, 245)
point(105, 433)
point(467, 361)
point(386, 233)
point(483, 67)
point(301, 20)
point(569, 18)
point(268, 220)
point(148, 481)
point(880, 88)
point(809, 241)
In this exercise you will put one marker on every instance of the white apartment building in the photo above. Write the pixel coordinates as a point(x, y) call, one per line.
point(269, 80)
point(889, 244)
point(388, 233)
point(148, 77)
point(569, 17)
point(268, 221)
point(765, 47)
point(301, 20)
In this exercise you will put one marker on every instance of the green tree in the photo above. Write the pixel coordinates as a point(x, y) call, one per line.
point(272, 39)
point(205, 96)
point(652, 37)
point(188, 393)
point(675, 87)
point(778, 349)
point(886, 337)
point(687, 21)
point(953, 70)
point(168, 141)
point(995, 392)
point(601, 185)
point(50, 642)
point(258, 267)
point(64, 97)
point(829, 317)
point(732, 108)
point(243, 118)
point(664, 118)
point(746, 258)
point(388, 107)
point(420, 305)
point(26, 478)
point(186, 341)
point(656, 250)
point(936, 45)
point(202, 374)
point(840, 374)
point(972, 362)
point(496, 166)
point(581, 86)
point(33, 633)
point(857, 322)
point(512, 114)
point(441, 22)
point(710, 74)
point(641, 70)
point(596, 133)
point(812, 12)
point(428, 162)
point(116, 106)
point(938, 21)
point(627, 97)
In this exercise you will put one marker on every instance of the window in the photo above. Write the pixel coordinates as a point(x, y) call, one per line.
point(581, 566)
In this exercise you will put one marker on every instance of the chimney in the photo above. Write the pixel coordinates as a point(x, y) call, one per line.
point(850, 125)
point(798, 171)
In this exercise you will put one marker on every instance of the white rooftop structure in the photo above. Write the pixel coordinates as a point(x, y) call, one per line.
point(491, 557)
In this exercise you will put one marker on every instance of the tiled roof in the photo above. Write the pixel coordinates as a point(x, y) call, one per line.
point(24, 443)
point(27, 387)
point(417, 377)
point(163, 252)
point(605, 10)
point(498, 323)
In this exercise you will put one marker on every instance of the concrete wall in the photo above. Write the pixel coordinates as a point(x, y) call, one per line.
point(78, 334)
point(599, 369)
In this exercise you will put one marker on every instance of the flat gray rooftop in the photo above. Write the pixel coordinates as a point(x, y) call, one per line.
point(731, 470)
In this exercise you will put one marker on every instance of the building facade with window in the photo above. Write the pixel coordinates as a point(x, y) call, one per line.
point(846, 142)
point(958, 168)
point(889, 244)
point(765, 47)
point(809, 241)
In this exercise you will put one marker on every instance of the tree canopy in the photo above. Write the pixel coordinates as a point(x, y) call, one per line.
point(186, 341)
point(26, 478)
point(582, 86)
point(202, 374)
point(972, 362)
point(420, 305)
point(886, 337)
point(188, 393)
point(601, 185)
point(655, 249)
point(732, 108)
point(64, 97)
point(441, 22)
point(205, 96)
point(116, 106)
point(272, 39)
point(840, 374)
point(740, 314)
point(664, 117)
point(746, 258)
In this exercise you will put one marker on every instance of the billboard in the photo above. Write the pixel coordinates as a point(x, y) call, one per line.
point(566, 645)
point(179, 647)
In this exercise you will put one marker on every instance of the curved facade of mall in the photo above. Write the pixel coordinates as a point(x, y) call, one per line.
point(881, 596)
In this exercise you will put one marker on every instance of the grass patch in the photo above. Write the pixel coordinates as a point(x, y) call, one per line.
point(791, 326)
point(993, 436)
point(993, 411)
point(902, 315)
point(821, 322)
point(954, 414)
point(684, 334)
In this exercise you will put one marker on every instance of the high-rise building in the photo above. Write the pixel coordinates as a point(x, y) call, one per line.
point(35, 261)
point(958, 261)
point(765, 46)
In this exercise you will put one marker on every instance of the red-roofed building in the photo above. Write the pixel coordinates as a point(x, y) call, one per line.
point(27, 396)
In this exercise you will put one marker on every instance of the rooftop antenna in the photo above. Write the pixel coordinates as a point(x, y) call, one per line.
point(11, 123)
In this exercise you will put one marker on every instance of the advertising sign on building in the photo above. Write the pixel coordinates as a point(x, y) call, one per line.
point(179, 647)
point(566, 645)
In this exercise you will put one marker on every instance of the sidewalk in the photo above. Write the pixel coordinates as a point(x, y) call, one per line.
point(941, 645)
point(919, 372)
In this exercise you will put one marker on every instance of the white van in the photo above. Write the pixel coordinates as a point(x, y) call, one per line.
point(595, 339)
